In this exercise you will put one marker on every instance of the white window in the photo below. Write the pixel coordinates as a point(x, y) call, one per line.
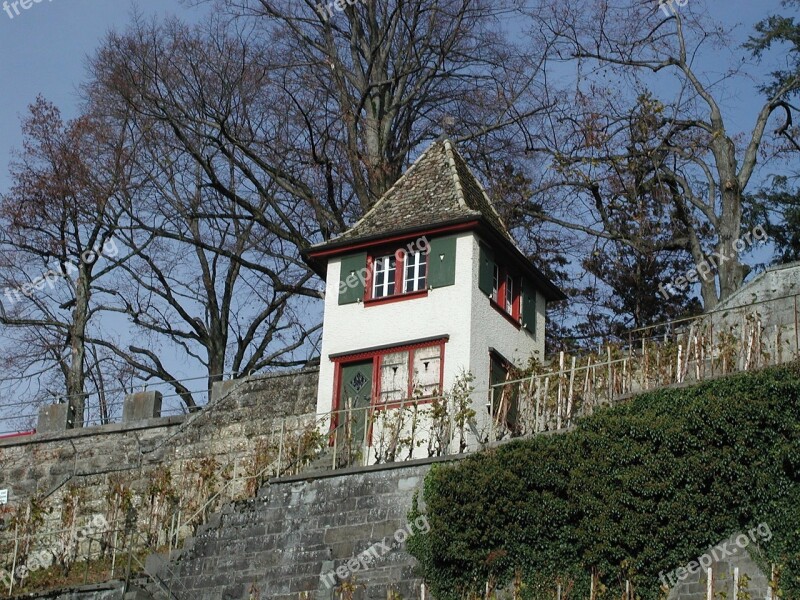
point(509, 294)
point(496, 284)
point(416, 272)
point(394, 377)
point(383, 278)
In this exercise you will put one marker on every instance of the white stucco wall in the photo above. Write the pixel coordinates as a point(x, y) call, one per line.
point(460, 311)
point(490, 329)
point(354, 327)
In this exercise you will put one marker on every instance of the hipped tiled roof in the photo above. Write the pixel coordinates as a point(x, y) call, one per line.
point(437, 188)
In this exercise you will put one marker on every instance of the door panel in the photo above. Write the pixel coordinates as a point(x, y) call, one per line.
point(355, 392)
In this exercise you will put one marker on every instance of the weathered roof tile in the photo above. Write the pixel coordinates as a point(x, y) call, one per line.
point(437, 188)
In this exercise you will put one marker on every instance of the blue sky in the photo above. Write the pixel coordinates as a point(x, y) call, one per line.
point(44, 51)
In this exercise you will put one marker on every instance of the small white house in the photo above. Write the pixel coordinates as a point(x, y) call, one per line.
point(428, 285)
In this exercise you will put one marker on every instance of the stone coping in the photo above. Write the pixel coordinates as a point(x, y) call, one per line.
point(109, 429)
point(418, 462)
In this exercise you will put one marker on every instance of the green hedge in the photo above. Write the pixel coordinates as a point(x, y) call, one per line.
point(631, 492)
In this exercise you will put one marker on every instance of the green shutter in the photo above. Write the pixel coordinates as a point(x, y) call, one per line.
point(442, 262)
point(486, 271)
point(528, 306)
point(352, 277)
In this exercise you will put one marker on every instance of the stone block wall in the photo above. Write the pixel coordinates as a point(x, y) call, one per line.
point(162, 468)
point(307, 537)
point(724, 559)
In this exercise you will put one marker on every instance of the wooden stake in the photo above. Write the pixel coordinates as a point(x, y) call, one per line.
point(538, 405)
point(546, 398)
point(571, 388)
point(710, 584)
point(528, 402)
point(645, 364)
point(586, 381)
point(697, 356)
point(796, 329)
point(711, 343)
point(560, 395)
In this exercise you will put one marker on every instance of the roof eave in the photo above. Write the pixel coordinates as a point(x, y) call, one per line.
point(317, 256)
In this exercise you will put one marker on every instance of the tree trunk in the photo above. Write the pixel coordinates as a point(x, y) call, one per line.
point(76, 377)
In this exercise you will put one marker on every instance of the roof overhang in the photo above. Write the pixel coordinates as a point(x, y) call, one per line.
point(317, 257)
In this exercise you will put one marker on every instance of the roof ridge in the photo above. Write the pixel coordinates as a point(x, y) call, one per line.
point(482, 189)
point(393, 186)
point(450, 151)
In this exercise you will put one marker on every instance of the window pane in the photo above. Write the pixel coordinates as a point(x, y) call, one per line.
point(394, 377)
point(384, 276)
point(509, 295)
point(427, 371)
point(416, 268)
point(496, 284)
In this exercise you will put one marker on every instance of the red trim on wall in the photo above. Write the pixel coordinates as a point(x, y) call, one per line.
point(359, 356)
point(469, 225)
point(410, 385)
point(396, 298)
point(500, 304)
point(368, 278)
point(441, 369)
point(337, 384)
point(377, 360)
point(7, 436)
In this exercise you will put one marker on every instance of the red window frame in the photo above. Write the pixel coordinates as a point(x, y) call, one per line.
point(499, 302)
point(399, 251)
point(377, 357)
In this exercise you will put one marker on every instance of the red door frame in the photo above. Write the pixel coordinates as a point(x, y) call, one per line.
point(376, 356)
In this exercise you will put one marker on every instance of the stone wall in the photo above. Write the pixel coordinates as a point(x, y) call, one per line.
point(724, 559)
point(164, 469)
point(772, 297)
point(292, 541)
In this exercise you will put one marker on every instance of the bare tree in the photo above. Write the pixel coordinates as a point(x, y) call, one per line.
point(623, 53)
point(257, 150)
point(205, 279)
point(58, 222)
point(368, 84)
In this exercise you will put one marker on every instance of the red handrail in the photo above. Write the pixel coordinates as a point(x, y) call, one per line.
point(16, 434)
